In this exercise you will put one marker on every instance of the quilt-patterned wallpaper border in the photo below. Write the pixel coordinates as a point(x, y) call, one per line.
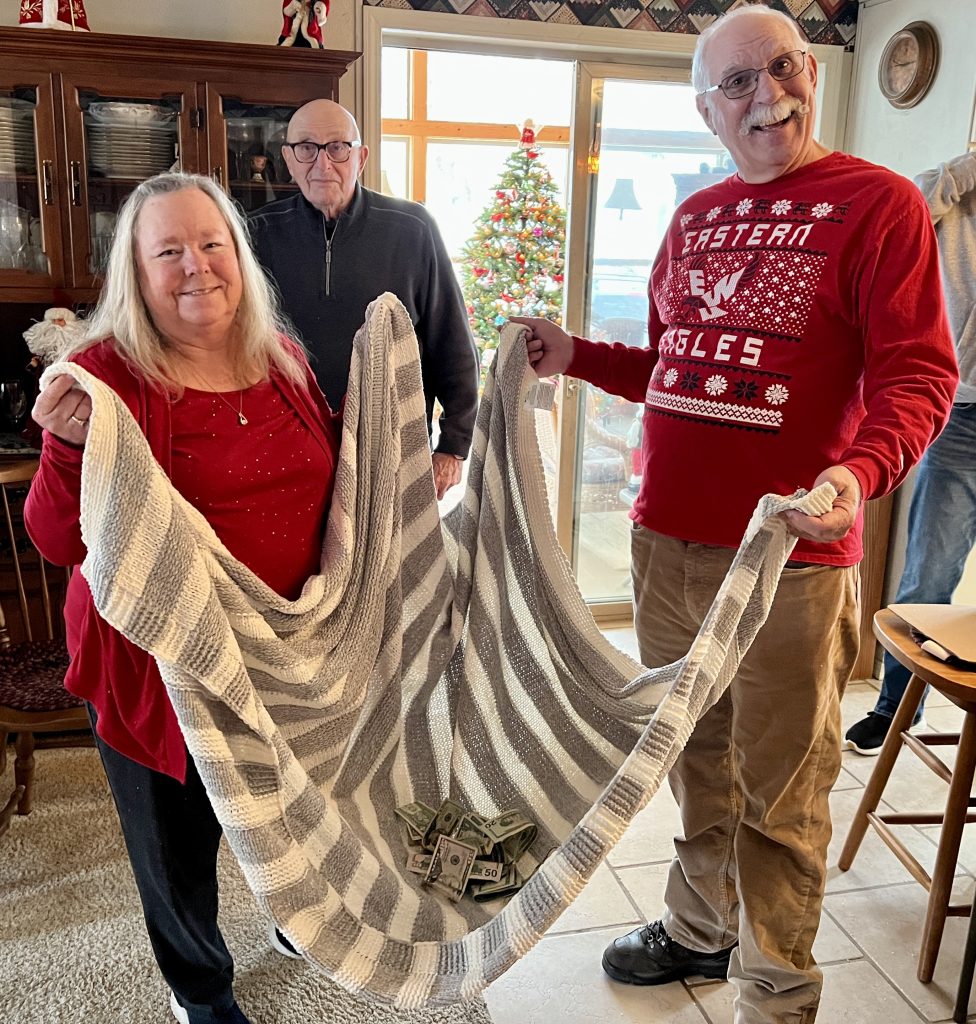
point(830, 22)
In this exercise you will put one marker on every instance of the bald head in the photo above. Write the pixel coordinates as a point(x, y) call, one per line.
point(328, 183)
point(322, 116)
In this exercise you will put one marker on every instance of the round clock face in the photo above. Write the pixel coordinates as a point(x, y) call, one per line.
point(908, 64)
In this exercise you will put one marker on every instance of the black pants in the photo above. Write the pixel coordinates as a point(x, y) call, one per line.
point(172, 837)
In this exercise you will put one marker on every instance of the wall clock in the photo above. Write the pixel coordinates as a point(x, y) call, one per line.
point(908, 64)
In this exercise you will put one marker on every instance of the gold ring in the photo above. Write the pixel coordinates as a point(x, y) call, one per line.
point(81, 423)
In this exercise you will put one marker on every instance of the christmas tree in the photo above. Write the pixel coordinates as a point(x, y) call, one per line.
point(513, 264)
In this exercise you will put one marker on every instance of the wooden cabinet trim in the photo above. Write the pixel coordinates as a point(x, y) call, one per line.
point(174, 56)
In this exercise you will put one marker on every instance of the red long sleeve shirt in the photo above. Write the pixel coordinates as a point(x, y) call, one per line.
point(264, 487)
point(794, 325)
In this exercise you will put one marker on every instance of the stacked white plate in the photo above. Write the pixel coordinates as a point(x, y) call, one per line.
point(16, 135)
point(130, 140)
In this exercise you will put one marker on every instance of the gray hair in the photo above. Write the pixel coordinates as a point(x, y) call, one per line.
point(699, 78)
point(121, 312)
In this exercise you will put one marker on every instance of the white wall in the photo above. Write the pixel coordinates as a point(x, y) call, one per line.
point(909, 141)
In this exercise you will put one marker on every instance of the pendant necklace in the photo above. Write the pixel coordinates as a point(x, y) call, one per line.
point(238, 412)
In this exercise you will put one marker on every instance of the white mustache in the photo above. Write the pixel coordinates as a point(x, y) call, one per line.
point(779, 111)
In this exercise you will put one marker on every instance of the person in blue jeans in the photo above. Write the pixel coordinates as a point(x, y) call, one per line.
point(942, 514)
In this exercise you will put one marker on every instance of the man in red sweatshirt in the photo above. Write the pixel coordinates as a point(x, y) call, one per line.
point(797, 335)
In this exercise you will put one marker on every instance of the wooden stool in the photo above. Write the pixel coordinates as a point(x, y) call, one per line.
point(960, 687)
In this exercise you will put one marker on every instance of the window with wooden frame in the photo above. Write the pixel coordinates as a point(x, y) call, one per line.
point(450, 120)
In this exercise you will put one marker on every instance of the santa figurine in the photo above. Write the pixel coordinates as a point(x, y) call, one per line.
point(49, 339)
point(527, 141)
point(304, 23)
point(68, 15)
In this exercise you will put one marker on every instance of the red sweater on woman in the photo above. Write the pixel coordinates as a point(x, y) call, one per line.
point(264, 487)
point(794, 325)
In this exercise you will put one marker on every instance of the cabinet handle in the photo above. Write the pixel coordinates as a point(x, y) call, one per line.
point(47, 182)
point(75, 183)
point(217, 173)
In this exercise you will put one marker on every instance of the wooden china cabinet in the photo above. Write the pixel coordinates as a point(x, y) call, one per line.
point(85, 117)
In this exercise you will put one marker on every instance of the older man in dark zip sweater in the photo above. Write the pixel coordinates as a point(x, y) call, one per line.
point(335, 246)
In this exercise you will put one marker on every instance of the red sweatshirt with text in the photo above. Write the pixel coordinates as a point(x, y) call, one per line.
point(794, 325)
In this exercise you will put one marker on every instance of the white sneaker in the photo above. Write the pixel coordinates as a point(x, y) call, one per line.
point(275, 939)
point(178, 1012)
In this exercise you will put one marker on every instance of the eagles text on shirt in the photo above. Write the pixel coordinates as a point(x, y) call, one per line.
point(737, 293)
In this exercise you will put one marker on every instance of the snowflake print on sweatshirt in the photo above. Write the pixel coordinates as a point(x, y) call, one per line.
point(737, 295)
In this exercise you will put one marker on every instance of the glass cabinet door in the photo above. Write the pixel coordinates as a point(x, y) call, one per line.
point(244, 143)
point(117, 136)
point(30, 227)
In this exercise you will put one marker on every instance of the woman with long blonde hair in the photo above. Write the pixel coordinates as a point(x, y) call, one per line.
point(188, 334)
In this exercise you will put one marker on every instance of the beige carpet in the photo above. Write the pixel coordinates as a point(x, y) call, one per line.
point(72, 942)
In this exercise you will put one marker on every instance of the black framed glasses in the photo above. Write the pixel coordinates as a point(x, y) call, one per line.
point(745, 82)
point(308, 152)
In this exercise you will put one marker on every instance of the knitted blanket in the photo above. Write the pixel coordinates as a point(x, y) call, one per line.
point(428, 660)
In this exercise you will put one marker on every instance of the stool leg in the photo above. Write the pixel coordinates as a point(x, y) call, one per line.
point(882, 770)
point(966, 974)
point(948, 853)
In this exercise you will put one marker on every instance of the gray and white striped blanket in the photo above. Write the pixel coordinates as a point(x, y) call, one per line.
point(427, 660)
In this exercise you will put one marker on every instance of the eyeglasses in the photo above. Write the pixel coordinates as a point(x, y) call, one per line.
point(308, 152)
point(744, 82)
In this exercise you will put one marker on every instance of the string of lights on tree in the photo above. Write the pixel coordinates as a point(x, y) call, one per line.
point(514, 263)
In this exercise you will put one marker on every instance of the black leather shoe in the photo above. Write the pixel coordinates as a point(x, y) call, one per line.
point(649, 956)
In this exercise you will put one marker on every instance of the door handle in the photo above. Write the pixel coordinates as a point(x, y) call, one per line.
point(75, 183)
point(47, 182)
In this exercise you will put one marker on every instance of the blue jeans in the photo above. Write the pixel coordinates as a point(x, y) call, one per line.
point(941, 533)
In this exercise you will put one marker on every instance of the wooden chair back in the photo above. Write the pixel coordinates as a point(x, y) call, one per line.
point(34, 706)
point(31, 587)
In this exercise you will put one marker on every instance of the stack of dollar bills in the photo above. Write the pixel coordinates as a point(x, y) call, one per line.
point(455, 849)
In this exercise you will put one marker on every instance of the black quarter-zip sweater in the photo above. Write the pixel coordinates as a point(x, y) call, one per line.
point(328, 273)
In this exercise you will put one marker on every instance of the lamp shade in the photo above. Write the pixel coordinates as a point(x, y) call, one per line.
point(622, 197)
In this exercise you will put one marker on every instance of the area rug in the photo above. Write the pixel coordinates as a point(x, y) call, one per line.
point(72, 943)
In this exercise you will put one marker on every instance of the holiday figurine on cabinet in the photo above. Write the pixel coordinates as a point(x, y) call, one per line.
point(304, 23)
point(68, 15)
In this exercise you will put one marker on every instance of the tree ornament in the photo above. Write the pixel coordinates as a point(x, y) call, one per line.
point(527, 140)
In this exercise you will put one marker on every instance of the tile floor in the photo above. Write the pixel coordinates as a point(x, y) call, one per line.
point(868, 940)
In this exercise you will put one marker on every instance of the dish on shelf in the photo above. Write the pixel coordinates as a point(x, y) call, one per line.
point(114, 111)
point(16, 146)
point(13, 110)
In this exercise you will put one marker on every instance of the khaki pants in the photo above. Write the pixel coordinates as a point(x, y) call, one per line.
point(754, 779)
